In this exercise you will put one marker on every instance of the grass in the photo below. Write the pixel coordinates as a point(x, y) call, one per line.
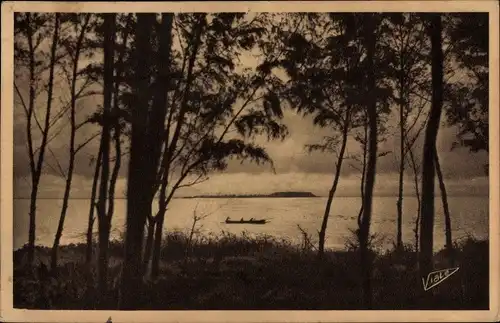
point(229, 272)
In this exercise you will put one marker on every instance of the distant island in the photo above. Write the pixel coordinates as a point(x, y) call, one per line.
point(275, 195)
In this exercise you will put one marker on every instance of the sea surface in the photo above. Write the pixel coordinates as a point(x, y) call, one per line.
point(469, 216)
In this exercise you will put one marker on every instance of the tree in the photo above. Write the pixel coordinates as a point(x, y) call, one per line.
point(104, 221)
point(30, 29)
point(74, 56)
point(467, 101)
point(428, 167)
point(323, 69)
point(116, 121)
point(407, 46)
point(138, 192)
point(93, 205)
point(214, 113)
point(369, 25)
point(446, 210)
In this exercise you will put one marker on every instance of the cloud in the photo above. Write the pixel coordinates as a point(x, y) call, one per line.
point(289, 156)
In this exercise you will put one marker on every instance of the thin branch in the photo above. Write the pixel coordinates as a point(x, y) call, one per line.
point(79, 147)
point(61, 171)
point(198, 180)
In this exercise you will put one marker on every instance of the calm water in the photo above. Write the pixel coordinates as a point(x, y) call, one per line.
point(469, 216)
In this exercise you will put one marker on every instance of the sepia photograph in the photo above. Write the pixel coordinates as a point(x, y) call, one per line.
point(247, 159)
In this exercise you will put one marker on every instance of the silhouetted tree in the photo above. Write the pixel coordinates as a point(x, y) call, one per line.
point(212, 112)
point(138, 192)
point(446, 210)
point(369, 34)
point(117, 118)
point(323, 70)
point(468, 101)
point(30, 33)
point(74, 49)
point(428, 167)
point(93, 205)
point(407, 46)
point(157, 134)
point(104, 221)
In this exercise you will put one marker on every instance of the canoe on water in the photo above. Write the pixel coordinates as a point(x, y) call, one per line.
point(228, 221)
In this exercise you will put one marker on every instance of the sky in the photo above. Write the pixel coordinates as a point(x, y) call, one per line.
point(296, 169)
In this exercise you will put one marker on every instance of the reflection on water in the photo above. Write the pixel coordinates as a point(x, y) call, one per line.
point(469, 217)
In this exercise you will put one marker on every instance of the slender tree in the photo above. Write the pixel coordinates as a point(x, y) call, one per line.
point(213, 115)
point(30, 27)
point(467, 102)
point(93, 206)
point(138, 192)
point(324, 66)
point(171, 145)
point(406, 46)
point(73, 148)
point(428, 167)
point(371, 106)
point(116, 122)
point(103, 220)
point(446, 209)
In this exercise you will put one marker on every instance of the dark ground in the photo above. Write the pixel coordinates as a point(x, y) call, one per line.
point(243, 273)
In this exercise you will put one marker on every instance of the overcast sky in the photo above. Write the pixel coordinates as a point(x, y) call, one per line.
point(296, 169)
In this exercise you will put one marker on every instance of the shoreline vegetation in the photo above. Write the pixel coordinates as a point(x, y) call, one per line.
point(231, 272)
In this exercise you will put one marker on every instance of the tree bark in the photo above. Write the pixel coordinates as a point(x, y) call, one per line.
point(38, 169)
point(103, 223)
point(90, 226)
point(115, 119)
point(338, 168)
point(165, 47)
point(160, 218)
point(363, 171)
point(399, 204)
point(35, 176)
point(446, 210)
point(138, 191)
point(364, 230)
point(417, 194)
point(148, 249)
point(72, 150)
point(428, 167)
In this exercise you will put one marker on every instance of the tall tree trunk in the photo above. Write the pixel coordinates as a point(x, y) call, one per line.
point(446, 210)
point(45, 133)
point(364, 230)
point(103, 223)
point(165, 48)
point(115, 119)
point(417, 194)
point(72, 149)
point(399, 204)
point(160, 218)
point(363, 171)
point(114, 175)
point(93, 204)
point(333, 189)
point(148, 249)
point(138, 191)
point(428, 167)
point(35, 176)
